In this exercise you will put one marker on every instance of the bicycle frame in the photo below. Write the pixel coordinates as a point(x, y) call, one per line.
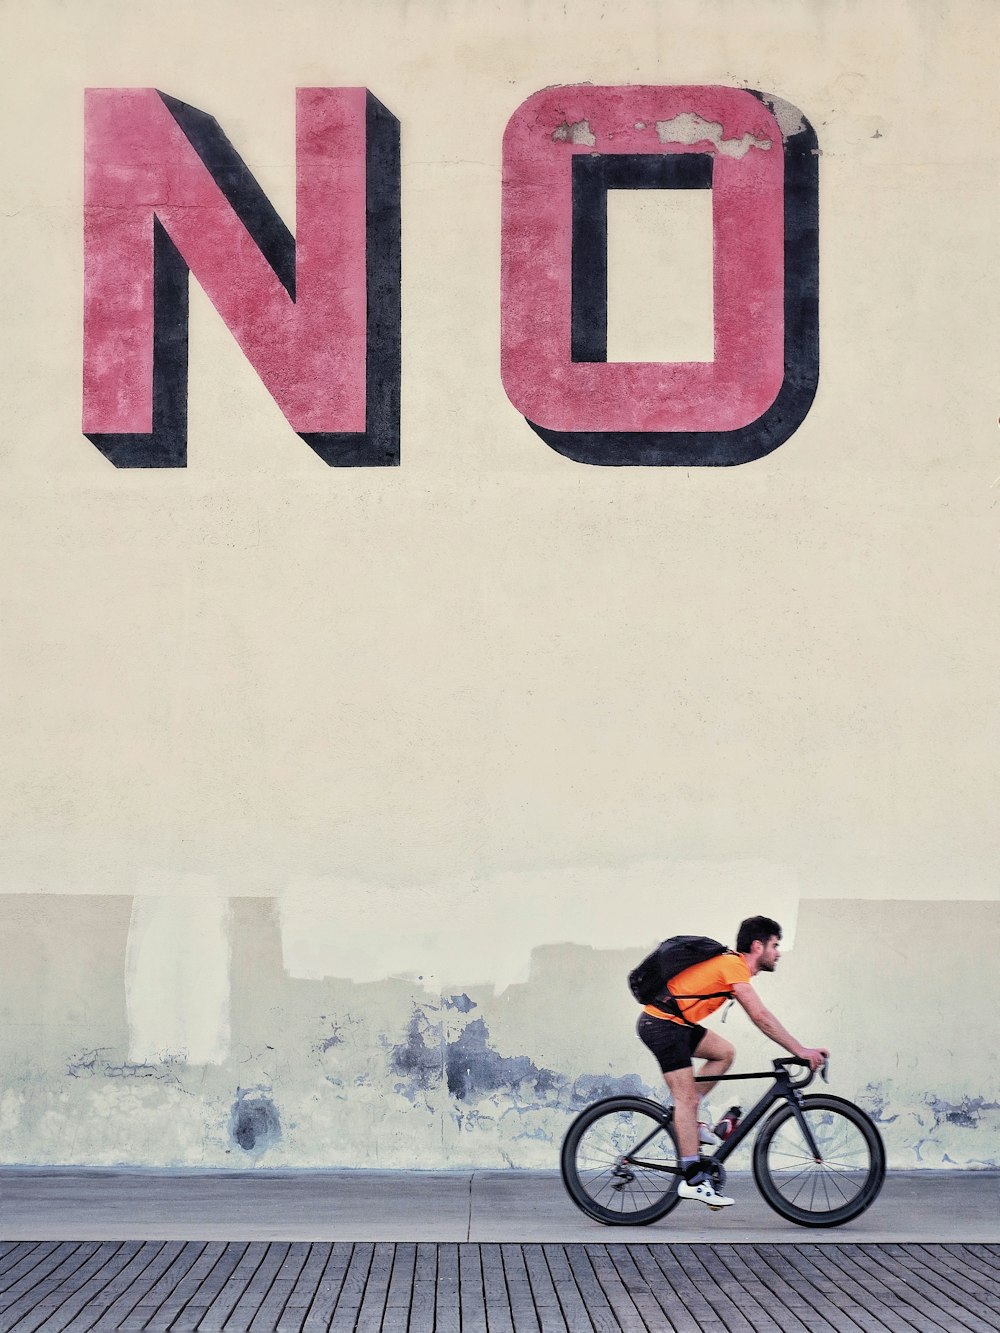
point(784, 1089)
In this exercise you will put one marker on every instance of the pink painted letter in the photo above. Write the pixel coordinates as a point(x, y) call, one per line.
point(564, 148)
point(318, 316)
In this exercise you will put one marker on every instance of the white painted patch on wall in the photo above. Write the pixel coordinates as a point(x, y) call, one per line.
point(177, 978)
point(483, 932)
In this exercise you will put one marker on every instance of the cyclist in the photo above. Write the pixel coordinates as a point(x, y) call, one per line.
point(674, 1041)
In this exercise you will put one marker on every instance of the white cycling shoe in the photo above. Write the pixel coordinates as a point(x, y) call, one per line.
point(704, 1193)
point(707, 1135)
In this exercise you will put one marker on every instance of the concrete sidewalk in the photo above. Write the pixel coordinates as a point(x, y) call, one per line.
point(485, 1206)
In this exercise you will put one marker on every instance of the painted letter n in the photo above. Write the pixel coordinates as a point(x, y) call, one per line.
point(317, 315)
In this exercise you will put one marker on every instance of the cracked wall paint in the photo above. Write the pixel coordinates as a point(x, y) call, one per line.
point(334, 1072)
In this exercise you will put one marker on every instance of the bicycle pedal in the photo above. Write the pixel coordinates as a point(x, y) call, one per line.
point(715, 1207)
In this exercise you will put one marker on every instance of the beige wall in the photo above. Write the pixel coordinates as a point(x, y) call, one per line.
point(296, 757)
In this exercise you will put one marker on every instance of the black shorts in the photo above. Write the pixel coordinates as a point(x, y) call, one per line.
point(673, 1044)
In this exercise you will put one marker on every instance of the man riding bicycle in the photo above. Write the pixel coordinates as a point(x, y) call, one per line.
point(675, 1040)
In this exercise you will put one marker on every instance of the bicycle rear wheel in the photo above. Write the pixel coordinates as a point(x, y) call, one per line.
point(833, 1190)
point(599, 1170)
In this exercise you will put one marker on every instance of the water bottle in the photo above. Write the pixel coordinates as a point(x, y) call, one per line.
point(728, 1122)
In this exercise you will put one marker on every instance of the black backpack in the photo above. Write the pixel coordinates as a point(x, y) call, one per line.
point(648, 981)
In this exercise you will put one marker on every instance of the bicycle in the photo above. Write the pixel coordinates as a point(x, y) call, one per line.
point(818, 1160)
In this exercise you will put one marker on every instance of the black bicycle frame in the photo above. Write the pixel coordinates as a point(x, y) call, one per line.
point(784, 1090)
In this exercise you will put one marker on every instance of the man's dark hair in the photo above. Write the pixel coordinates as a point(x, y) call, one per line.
point(755, 928)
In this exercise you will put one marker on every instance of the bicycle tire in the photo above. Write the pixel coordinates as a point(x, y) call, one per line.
point(593, 1172)
point(827, 1193)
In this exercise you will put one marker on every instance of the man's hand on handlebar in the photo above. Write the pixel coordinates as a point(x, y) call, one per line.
point(814, 1055)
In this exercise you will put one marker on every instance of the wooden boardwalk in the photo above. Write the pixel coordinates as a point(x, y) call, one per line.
point(503, 1288)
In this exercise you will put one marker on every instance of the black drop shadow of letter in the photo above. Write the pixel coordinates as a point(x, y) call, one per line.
point(593, 175)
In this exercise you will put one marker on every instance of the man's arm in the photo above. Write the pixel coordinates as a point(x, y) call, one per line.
point(762, 1018)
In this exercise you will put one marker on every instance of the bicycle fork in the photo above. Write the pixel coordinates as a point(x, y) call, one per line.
point(803, 1123)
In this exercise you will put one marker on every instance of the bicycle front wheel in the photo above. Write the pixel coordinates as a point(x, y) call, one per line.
point(834, 1189)
point(620, 1162)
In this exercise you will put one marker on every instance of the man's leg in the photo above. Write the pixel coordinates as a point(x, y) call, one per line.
point(686, 1094)
point(718, 1056)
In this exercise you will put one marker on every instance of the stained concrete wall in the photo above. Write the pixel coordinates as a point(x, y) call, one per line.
point(389, 1074)
point(336, 803)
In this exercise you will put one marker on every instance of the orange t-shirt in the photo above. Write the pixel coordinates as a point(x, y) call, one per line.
point(721, 973)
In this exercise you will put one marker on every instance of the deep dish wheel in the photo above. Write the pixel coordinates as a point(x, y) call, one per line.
point(604, 1185)
point(834, 1190)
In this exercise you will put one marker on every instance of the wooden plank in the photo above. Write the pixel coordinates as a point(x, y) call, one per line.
point(596, 1303)
point(424, 1299)
point(328, 1291)
point(258, 1289)
point(609, 1285)
point(272, 1307)
point(69, 1301)
point(499, 1317)
point(547, 1307)
point(19, 1250)
point(747, 1292)
point(38, 1311)
point(854, 1303)
point(169, 1279)
point(304, 1289)
point(352, 1291)
point(472, 1294)
point(23, 1265)
point(983, 1269)
point(653, 1311)
point(695, 1268)
point(118, 1285)
point(769, 1290)
point(38, 1294)
point(953, 1305)
point(117, 1314)
point(683, 1304)
point(777, 1259)
point(216, 1299)
point(447, 1310)
point(936, 1260)
point(372, 1307)
point(519, 1293)
point(397, 1303)
point(866, 1286)
point(215, 1258)
point(573, 1306)
point(25, 1279)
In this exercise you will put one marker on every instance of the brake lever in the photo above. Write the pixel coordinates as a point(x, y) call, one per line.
point(825, 1071)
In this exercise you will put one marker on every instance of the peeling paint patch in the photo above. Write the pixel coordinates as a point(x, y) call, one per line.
point(254, 1124)
point(579, 132)
point(336, 1038)
point(460, 1002)
point(967, 1113)
point(688, 128)
point(474, 1069)
point(414, 1061)
point(477, 1075)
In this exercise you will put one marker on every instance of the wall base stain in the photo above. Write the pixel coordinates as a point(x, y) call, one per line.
point(255, 1124)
